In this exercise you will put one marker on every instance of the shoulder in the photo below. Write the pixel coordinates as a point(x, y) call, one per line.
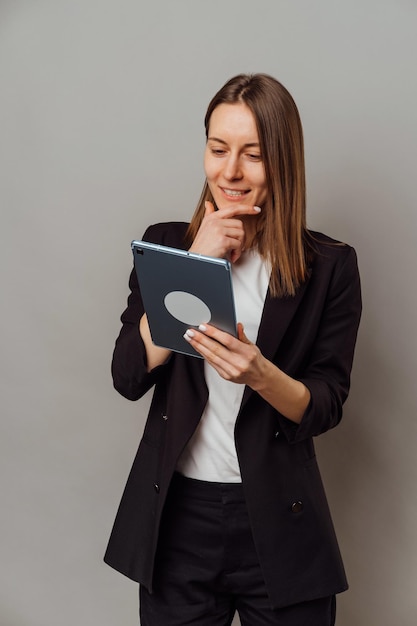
point(167, 233)
point(331, 260)
point(325, 248)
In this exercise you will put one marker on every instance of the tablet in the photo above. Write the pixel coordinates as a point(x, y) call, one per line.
point(181, 290)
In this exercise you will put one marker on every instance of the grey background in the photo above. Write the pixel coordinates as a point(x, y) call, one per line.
point(101, 133)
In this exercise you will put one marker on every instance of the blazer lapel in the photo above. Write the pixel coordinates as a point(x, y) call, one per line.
point(276, 317)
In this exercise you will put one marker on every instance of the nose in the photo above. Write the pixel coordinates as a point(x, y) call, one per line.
point(232, 169)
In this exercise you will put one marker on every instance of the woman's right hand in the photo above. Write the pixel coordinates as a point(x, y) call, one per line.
point(222, 233)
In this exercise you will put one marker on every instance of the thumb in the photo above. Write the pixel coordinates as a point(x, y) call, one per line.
point(209, 208)
point(241, 335)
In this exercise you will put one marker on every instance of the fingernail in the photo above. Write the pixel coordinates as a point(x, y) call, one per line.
point(257, 209)
point(202, 328)
point(189, 334)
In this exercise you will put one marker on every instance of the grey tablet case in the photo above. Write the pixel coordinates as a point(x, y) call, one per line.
point(181, 290)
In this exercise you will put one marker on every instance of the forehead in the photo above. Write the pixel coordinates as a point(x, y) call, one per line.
point(233, 122)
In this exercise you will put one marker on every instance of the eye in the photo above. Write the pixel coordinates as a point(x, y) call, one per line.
point(254, 157)
point(217, 151)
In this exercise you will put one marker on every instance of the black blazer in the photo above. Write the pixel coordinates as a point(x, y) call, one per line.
point(311, 337)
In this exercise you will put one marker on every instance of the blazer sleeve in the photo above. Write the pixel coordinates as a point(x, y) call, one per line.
point(129, 365)
point(328, 368)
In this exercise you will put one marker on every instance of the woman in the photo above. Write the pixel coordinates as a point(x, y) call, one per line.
point(224, 509)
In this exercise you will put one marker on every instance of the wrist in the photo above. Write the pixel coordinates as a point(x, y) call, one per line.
point(263, 373)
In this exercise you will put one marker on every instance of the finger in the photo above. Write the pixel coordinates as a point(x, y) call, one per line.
point(202, 343)
point(239, 209)
point(235, 255)
point(216, 354)
point(228, 226)
point(209, 340)
point(223, 339)
point(220, 336)
point(224, 352)
point(241, 334)
point(227, 363)
point(209, 208)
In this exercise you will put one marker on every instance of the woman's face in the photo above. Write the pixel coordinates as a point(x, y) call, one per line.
point(232, 160)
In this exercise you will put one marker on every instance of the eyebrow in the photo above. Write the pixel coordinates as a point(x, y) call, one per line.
point(247, 145)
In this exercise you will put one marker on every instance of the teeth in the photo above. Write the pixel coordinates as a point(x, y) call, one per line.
point(232, 192)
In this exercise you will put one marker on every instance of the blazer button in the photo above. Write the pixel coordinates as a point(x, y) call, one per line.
point(277, 434)
point(156, 487)
point(297, 507)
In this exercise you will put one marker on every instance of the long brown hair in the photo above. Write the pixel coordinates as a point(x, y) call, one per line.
point(282, 232)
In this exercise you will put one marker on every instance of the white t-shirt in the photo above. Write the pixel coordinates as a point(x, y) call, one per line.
point(211, 453)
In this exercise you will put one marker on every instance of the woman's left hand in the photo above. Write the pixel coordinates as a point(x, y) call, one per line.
point(240, 361)
point(235, 359)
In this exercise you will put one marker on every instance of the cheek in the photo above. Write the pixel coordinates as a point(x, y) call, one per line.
point(210, 169)
point(259, 179)
point(262, 188)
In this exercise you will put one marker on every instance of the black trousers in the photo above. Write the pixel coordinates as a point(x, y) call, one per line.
point(207, 567)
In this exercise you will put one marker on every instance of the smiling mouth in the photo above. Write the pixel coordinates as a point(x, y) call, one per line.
point(234, 193)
